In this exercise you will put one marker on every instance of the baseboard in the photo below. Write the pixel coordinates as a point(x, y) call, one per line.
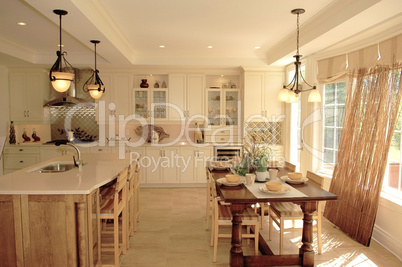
point(388, 241)
point(195, 185)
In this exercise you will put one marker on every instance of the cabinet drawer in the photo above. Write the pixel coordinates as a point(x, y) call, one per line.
point(15, 161)
point(21, 149)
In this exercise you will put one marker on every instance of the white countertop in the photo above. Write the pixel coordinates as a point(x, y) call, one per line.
point(98, 169)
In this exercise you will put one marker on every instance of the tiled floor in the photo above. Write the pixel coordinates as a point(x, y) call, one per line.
point(171, 232)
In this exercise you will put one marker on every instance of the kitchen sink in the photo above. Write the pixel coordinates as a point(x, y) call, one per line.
point(54, 167)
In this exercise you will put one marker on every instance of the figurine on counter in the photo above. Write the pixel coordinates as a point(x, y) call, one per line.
point(25, 136)
point(35, 137)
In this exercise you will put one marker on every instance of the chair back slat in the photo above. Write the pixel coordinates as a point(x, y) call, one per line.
point(315, 179)
point(290, 167)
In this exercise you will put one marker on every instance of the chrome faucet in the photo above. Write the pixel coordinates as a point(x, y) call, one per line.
point(77, 163)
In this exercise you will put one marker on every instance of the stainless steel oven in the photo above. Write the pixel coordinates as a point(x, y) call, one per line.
point(227, 152)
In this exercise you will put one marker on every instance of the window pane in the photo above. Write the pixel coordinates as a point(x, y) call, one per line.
point(341, 92)
point(328, 156)
point(340, 115)
point(329, 93)
point(329, 137)
point(329, 116)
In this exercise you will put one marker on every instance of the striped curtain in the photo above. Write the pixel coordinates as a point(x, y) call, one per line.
point(371, 110)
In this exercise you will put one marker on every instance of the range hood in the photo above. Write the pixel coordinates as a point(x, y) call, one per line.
point(69, 98)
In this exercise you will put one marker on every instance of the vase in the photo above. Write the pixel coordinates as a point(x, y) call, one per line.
point(144, 83)
point(261, 176)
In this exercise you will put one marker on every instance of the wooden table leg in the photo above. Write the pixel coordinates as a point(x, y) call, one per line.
point(306, 251)
point(236, 252)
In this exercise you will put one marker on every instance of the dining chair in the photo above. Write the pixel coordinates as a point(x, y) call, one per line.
point(111, 208)
point(222, 216)
point(263, 208)
point(279, 212)
point(209, 197)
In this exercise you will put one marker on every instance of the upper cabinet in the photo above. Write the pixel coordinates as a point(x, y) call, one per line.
point(186, 92)
point(150, 96)
point(223, 101)
point(29, 90)
point(117, 93)
point(261, 89)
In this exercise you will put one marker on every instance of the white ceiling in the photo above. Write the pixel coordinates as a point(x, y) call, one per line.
point(131, 31)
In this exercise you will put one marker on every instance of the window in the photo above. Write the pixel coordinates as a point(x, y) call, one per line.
point(393, 176)
point(333, 114)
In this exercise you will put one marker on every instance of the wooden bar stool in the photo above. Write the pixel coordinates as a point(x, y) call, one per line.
point(113, 205)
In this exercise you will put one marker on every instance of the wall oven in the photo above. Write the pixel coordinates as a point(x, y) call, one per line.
point(227, 152)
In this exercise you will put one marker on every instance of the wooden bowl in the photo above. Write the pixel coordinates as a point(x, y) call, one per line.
point(232, 178)
point(295, 175)
point(273, 186)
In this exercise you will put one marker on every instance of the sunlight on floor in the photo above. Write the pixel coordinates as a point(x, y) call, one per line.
point(349, 259)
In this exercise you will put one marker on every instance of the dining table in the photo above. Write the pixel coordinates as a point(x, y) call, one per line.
point(305, 194)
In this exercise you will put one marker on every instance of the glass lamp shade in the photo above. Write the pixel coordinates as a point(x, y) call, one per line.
point(314, 96)
point(283, 95)
point(94, 90)
point(63, 80)
point(292, 97)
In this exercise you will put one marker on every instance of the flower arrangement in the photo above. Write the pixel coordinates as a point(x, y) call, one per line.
point(255, 157)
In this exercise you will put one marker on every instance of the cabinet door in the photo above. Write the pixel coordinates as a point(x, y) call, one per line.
point(253, 98)
point(168, 164)
point(141, 102)
point(186, 165)
point(195, 92)
point(214, 107)
point(159, 100)
point(152, 165)
point(272, 106)
point(35, 87)
point(177, 95)
point(231, 107)
point(203, 155)
point(122, 84)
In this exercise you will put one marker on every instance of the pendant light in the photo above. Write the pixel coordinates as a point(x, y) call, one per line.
point(94, 84)
point(60, 74)
point(290, 92)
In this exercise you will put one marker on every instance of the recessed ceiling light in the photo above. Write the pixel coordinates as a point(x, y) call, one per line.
point(161, 46)
point(21, 23)
point(209, 46)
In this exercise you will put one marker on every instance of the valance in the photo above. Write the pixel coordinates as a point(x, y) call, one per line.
point(384, 53)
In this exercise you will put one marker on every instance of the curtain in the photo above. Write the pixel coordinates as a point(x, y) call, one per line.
point(371, 109)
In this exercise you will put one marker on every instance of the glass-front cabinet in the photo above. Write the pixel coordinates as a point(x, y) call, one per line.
point(223, 107)
point(151, 102)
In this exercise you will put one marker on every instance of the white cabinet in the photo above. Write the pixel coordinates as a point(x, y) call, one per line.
point(186, 92)
point(117, 96)
point(160, 165)
point(150, 103)
point(19, 157)
point(29, 90)
point(192, 164)
point(223, 107)
point(261, 89)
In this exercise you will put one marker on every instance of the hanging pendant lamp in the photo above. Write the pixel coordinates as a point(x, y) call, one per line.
point(94, 84)
point(61, 74)
point(290, 92)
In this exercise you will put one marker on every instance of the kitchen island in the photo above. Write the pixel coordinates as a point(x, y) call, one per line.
point(51, 219)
